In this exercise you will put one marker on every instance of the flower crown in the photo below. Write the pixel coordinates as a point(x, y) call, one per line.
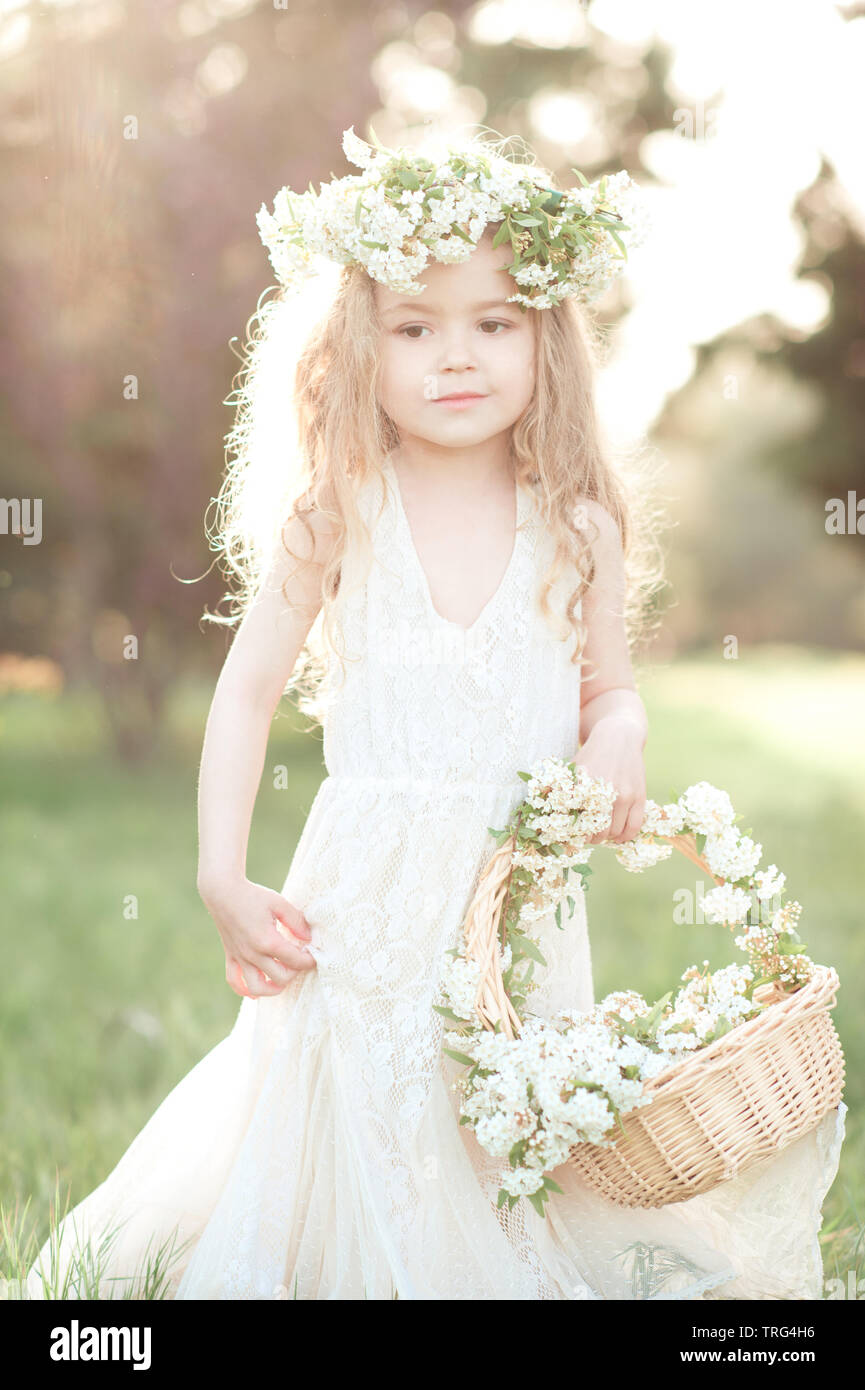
point(407, 207)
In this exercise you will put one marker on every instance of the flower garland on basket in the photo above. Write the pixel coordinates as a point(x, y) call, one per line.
point(536, 1088)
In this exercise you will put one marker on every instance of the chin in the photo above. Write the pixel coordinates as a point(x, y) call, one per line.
point(460, 426)
point(460, 438)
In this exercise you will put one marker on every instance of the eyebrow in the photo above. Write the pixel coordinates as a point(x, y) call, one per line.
point(430, 308)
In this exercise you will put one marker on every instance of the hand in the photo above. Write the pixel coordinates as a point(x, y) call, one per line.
point(263, 935)
point(613, 750)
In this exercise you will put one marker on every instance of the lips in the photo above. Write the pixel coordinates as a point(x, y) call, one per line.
point(461, 400)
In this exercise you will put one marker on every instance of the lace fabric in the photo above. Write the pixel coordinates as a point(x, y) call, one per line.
point(315, 1152)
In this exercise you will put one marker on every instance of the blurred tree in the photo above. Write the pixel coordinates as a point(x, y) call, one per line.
point(138, 143)
point(754, 554)
point(827, 458)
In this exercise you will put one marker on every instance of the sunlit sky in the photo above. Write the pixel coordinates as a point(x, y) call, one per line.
point(725, 247)
point(762, 90)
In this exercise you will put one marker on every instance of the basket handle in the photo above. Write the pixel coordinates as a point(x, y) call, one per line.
point(486, 916)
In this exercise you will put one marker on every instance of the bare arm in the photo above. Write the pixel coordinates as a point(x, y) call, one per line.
point(613, 720)
point(253, 921)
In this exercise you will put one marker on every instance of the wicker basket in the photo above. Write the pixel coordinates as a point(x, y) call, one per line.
point(715, 1114)
point(720, 1110)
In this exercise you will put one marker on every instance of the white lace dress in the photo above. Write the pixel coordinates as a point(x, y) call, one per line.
point(315, 1152)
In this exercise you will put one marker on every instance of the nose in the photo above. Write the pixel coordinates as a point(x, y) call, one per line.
point(456, 353)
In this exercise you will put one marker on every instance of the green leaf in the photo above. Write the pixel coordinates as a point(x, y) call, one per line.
point(618, 240)
point(651, 1018)
point(456, 230)
point(517, 1152)
point(537, 1201)
point(789, 943)
point(448, 1013)
point(553, 1186)
point(459, 1057)
point(526, 776)
point(374, 245)
point(762, 980)
point(524, 946)
point(500, 236)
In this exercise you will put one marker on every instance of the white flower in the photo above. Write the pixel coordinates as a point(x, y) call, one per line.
point(460, 986)
point(726, 905)
point(662, 820)
point(655, 1063)
point(641, 853)
point(627, 1003)
point(770, 882)
point(707, 810)
point(357, 151)
point(731, 855)
point(522, 1182)
point(753, 938)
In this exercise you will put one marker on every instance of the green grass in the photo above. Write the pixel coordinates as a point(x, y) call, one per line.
point(102, 1012)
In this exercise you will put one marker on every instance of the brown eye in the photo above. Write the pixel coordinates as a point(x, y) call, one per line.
point(413, 328)
point(495, 323)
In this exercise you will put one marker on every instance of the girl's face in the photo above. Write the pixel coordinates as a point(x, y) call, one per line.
point(457, 363)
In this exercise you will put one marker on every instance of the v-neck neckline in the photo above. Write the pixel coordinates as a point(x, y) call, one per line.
point(503, 582)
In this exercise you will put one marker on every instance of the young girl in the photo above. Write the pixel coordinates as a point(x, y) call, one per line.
point(439, 556)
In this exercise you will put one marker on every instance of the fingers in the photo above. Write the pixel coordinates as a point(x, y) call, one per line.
point(634, 823)
point(287, 915)
point(235, 979)
point(261, 974)
point(294, 953)
point(250, 982)
point(626, 822)
point(291, 932)
point(282, 961)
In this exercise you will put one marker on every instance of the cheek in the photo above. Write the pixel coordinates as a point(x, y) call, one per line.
point(520, 367)
point(400, 381)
